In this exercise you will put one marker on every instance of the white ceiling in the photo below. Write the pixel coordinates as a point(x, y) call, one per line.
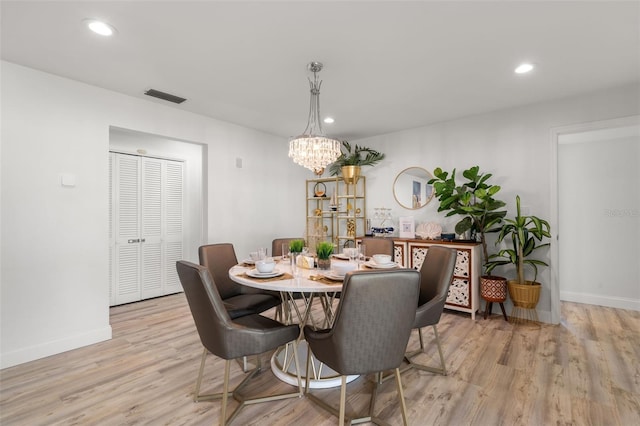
point(387, 65)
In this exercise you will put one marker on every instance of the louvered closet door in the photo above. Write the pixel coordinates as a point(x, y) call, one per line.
point(151, 236)
point(173, 224)
point(146, 227)
point(126, 266)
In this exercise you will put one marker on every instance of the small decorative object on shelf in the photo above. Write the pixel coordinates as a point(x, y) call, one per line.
point(319, 190)
point(383, 216)
point(428, 231)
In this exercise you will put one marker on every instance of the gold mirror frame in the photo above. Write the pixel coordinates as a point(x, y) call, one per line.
point(410, 188)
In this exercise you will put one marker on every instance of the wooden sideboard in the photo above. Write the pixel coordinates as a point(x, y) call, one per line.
point(465, 287)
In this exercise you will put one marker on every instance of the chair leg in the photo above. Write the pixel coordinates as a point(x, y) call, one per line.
point(343, 397)
point(236, 393)
point(225, 390)
point(401, 397)
point(442, 370)
point(196, 394)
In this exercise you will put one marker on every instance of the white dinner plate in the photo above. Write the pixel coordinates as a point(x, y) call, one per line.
point(374, 265)
point(254, 273)
point(333, 276)
point(249, 261)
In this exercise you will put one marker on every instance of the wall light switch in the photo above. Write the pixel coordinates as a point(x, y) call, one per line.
point(68, 180)
point(238, 163)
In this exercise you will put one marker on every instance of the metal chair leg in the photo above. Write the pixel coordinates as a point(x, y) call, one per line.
point(343, 397)
point(225, 389)
point(442, 370)
point(236, 393)
point(444, 367)
point(401, 397)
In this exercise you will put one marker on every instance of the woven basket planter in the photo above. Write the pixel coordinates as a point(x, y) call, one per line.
point(493, 288)
point(524, 295)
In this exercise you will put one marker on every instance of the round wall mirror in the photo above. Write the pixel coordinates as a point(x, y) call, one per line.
point(411, 189)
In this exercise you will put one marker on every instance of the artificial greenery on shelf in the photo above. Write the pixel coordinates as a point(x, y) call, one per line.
point(353, 156)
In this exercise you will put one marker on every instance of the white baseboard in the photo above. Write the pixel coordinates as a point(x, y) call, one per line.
point(596, 299)
point(32, 353)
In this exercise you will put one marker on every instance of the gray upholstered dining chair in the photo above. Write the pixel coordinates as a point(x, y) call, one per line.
point(231, 338)
point(436, 274)
point(377, 245)
point(239, 300)
point(370, 332)
point(276, 245)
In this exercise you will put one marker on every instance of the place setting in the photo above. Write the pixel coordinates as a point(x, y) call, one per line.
point(380, 261)
point(264, 267)
point(338, 271)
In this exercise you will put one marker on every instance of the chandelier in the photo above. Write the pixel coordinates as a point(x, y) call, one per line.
point(312, 149)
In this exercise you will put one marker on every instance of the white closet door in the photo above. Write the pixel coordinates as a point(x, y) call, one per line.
point(151, 235)
point(146, 214)
point(127, 259)
point(112, 238)
point(173, 219)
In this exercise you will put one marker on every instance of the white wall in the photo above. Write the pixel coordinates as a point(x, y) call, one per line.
point(514, 145)
point(54, 240)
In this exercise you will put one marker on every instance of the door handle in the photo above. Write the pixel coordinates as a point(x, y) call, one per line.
point(134, 241)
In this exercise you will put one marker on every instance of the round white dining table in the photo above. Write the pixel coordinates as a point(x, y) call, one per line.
point(308, 285)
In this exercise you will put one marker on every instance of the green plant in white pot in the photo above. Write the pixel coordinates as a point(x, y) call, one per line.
point(527, 234)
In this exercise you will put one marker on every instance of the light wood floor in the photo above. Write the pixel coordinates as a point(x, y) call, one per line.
point(585, 371)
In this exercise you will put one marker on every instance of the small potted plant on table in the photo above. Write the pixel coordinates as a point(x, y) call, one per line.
point(351, 160)
point(526, 233)
point(324, 250)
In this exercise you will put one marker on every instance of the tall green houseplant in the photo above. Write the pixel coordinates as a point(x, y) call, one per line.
point(525, 232)
point(473, 200)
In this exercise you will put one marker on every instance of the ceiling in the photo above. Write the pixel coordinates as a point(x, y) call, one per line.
point(388, 66)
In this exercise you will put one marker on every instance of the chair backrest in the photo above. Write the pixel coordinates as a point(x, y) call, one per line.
point(373, 321)
point(436, 274)
point(276, 245)
point(207, 308)
point(377, 245)
point(218, 259)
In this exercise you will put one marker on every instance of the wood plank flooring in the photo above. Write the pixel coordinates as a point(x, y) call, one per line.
point(585, 371)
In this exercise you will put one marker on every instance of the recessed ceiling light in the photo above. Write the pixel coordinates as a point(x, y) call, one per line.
point(329, 120)
point(523, 68)
point(100, 27)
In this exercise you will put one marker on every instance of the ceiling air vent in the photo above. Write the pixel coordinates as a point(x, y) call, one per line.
point(165, 96)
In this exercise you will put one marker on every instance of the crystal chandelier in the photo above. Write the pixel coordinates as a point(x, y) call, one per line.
point(312, 149)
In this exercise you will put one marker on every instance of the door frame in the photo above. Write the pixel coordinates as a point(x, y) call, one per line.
point(556, 132)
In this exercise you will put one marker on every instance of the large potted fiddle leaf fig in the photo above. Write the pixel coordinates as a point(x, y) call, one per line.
point(474, 200)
